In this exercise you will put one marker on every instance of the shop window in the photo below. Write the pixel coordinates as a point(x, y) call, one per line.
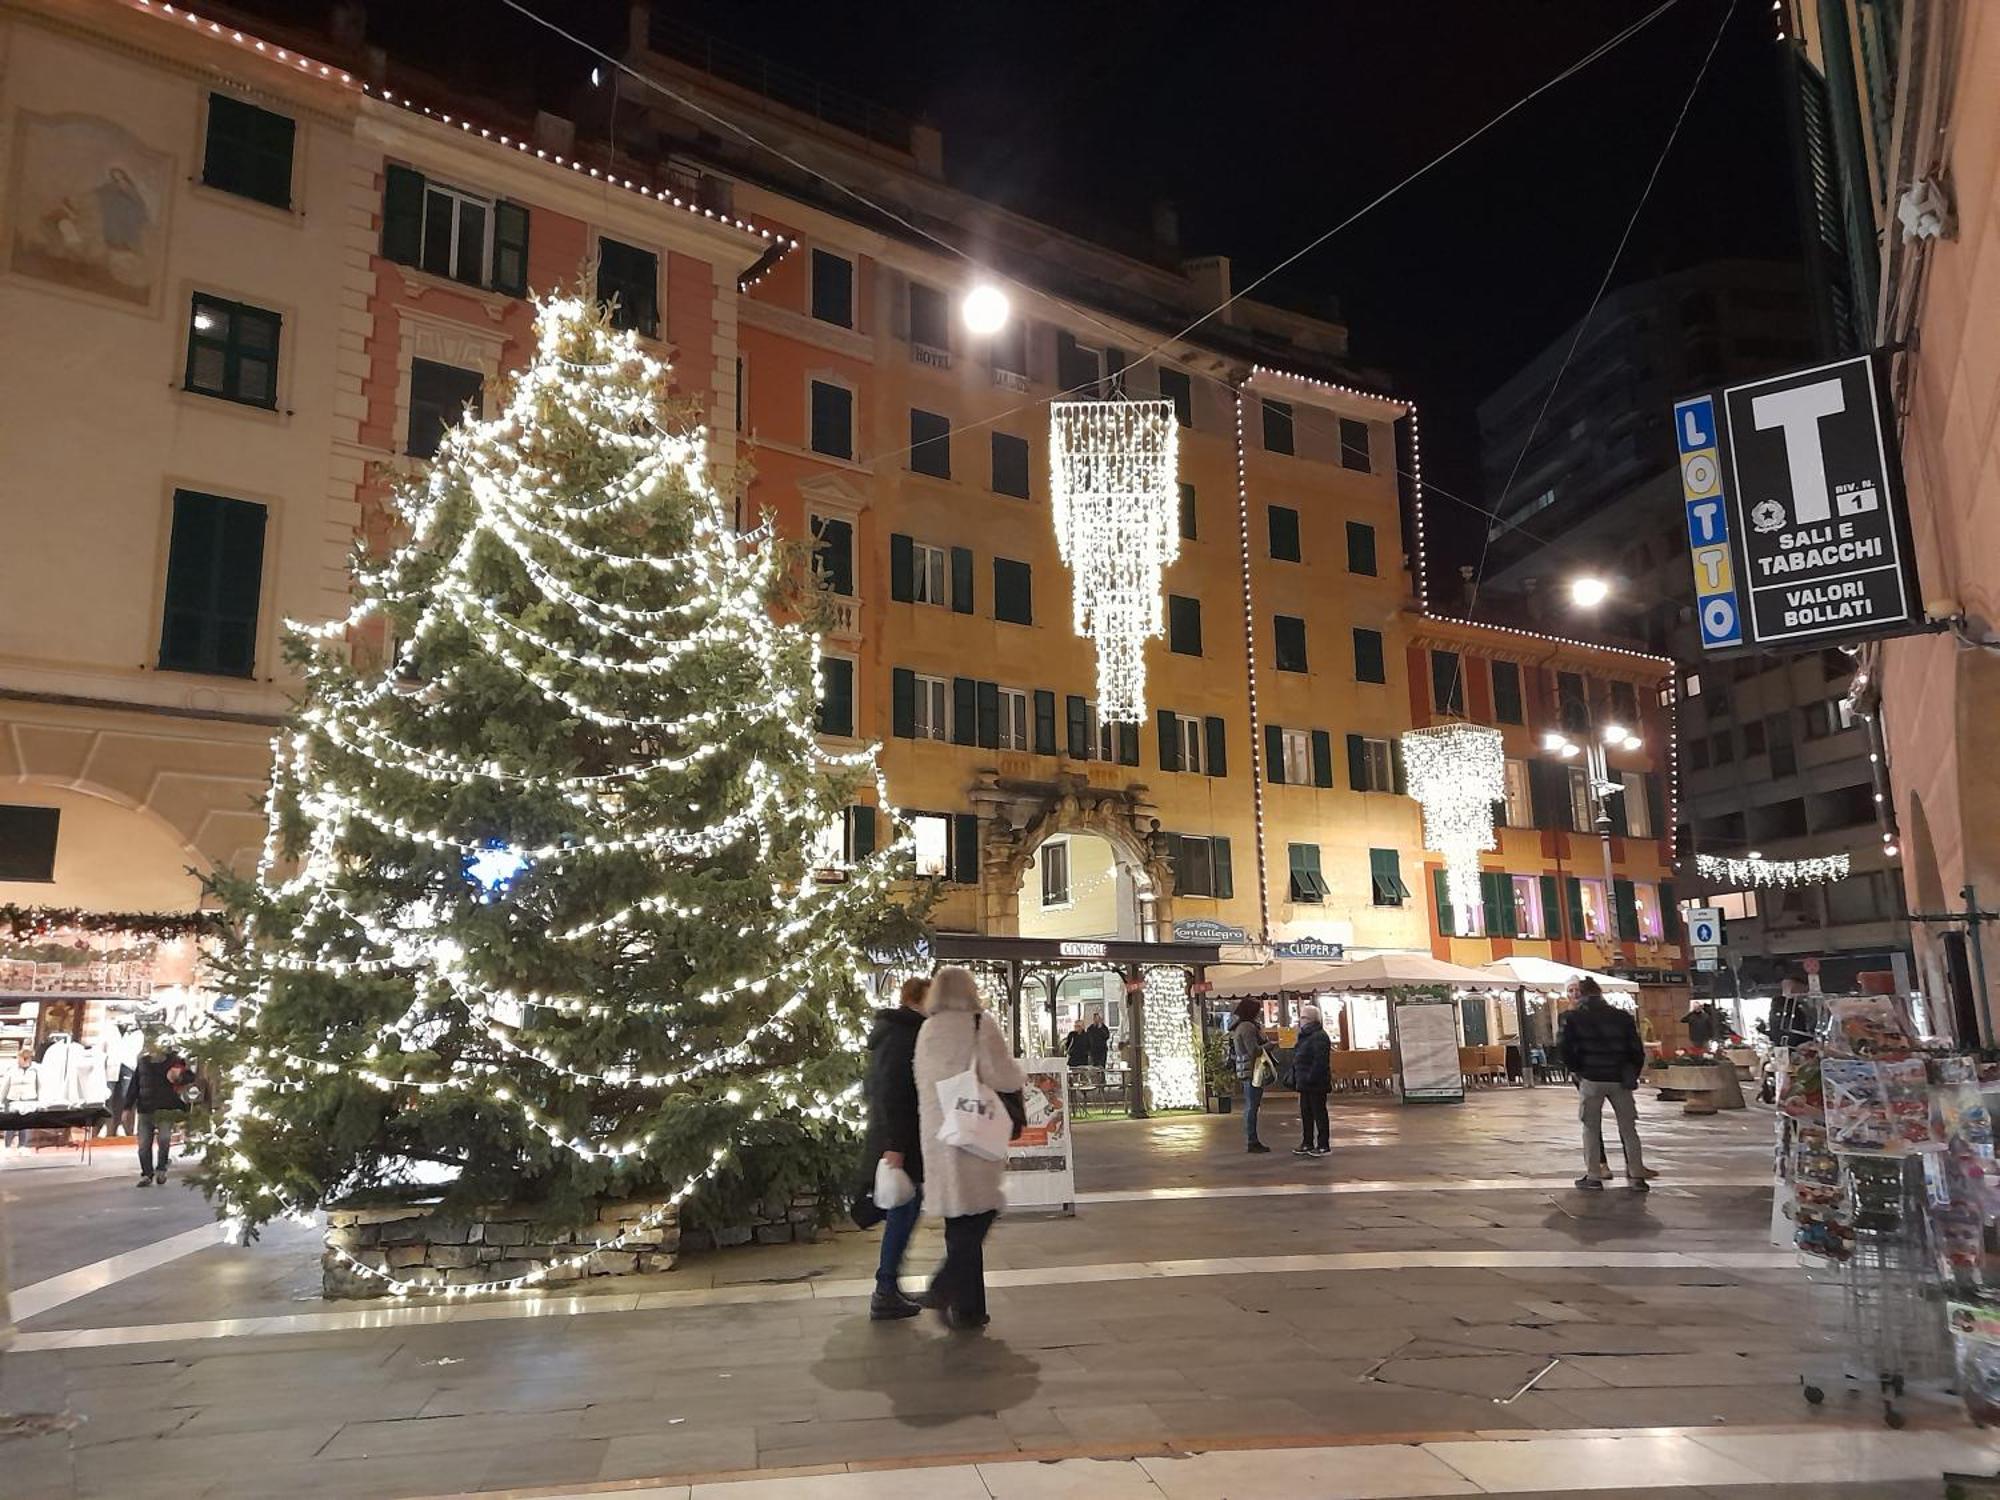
point(215, 572)
point(28, 844)
point(1010, 465)
point(628, 283)
point(1354, 446)
point(249, 151)
point(1277, 426)
point(1290, 639)
point(232, 351)
point(930, 444)
point(833, 288)
point(440, 395)
point(832, 419)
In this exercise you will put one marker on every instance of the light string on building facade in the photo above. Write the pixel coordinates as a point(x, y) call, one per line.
point(1758, 871)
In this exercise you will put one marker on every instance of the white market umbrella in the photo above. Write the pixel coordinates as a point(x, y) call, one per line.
point(1281, 976)
point(1526, 971)
point(1400, 971)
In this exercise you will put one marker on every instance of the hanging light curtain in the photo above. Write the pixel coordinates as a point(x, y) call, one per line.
point(1113, 493)
point(1457, 772)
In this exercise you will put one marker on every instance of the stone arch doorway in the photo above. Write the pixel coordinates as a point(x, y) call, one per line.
point(1116, 830)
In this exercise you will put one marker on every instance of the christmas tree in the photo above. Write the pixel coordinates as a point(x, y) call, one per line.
point(537, 920)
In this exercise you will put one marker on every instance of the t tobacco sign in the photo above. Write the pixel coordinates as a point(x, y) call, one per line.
point(1816, 541)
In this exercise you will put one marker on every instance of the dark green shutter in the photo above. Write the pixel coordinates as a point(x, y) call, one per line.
point(1126, 742)
point(1552, 916)
point(1397, 782)
point(1670, 914)
point(1171, 842)
point(964, 711)
point(1625, 901)
point(1543, 801)
point(1079, 728)
point(1357, 763)
point(861, 831)
point(1656, 808)
point(215, 570)
point(1577, 929)
point(1447, 919)
point(1225, 879)
point(1170, 739)
point(989, 715)
point(402, 215)
point(1274, 755)
point(961, 580)
point(1621, 825)
point(1217, 738)
point(965, 848)
point(902, 569)
point(1322, 753)
point(1497, 895)
point(510, 248)
point(1045, 722)
point(903, 703)
point(836, 708)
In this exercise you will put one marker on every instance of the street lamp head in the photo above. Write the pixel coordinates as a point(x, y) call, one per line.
point(1633, 742)
point(1553, 741)
point(985, 310)
point(1569, 750)
point(1615, 734)
point(1588, 592)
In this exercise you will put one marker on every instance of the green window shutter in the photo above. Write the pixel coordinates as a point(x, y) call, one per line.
point(1274, 755)
point(836, 708)
point(1013, 591)
point(961, 580)
point(1225, 879)
point(965, 848)
point(1045, 722)
point(1080, 747)
point(215, 568)
point(988, 696)
point(1503, 918)
point(510, 249)
point(1552, 917)
point(1625, 901)
point(1360, 548)
point(1217, 738)
point(1656, 808)
point(1544, 800)
point(1170, 739)
point(1397, 782)
point(1368, 663)
point(1171, 842)
point(1126, 742)
point(1577, 929)
point(903, 703)
point(902, 569)
point(861, 831)
point(1670, 913)
point(1357, 763)
point(1507, 692)
point(1322, 755)
point(1447, 683)
point(964, 711)
point(1447, 920)
point(402, 215)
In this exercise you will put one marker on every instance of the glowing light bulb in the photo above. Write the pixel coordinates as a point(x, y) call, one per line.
point(985, 310)
point(1588, 593)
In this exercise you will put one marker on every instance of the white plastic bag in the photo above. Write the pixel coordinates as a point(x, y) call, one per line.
point(893, 1187)
point(974, 1120)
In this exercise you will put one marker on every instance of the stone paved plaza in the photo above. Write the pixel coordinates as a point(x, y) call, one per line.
point(1433, 1310)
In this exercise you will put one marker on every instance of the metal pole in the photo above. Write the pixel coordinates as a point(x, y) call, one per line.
point(1972, 921)
point(1521, 1034)
point(1135, 1007)
point(1600, 778)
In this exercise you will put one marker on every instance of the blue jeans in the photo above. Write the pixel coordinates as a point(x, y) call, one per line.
point(1253, 1095)
point(897, 1227)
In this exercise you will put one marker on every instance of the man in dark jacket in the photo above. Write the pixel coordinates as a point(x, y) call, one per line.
point(894, 1137)
point(1603, 1052)
point(1076, 1045)
point(1312, 1076)
point(156, 1098)
point(1100, 1040)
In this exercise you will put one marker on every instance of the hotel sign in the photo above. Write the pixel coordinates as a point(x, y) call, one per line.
point(1820, 521)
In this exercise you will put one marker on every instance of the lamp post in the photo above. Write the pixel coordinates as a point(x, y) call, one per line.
point(1595, 752)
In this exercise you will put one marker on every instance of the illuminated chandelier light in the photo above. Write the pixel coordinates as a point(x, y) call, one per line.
point(1113, 470)
point(1457, 772)
point(1172, 1079)
point(1757, 871)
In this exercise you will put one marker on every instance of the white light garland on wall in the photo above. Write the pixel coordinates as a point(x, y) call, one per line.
point(1113, 472)
point(1457, 772)
point(1173, 1079)
point(1756, 871)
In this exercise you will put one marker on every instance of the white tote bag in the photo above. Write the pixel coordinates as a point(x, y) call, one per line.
point(975, 1121)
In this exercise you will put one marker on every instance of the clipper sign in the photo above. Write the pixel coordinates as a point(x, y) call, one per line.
point(1821, 533)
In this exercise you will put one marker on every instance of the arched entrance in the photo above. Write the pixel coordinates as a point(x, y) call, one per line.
point(1106, 869)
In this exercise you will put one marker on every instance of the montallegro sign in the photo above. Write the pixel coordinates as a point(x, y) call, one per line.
point(1820, 535)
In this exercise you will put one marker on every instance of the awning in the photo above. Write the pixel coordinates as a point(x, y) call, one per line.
point(1527, 971)
point(1287, 976)
point(1400, 971)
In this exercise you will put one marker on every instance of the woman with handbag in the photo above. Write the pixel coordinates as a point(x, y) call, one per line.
point(1251, 1051)
point(969, 1098)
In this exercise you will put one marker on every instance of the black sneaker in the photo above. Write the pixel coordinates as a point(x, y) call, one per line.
point(1302, 1151)
point(1257, 1148)
point(884, 1306)
point(1590, 1184)
point(960, 1322)
point(147, 1180)
point(159, 1179)
point(1319, 1151)
point(1640, 1185)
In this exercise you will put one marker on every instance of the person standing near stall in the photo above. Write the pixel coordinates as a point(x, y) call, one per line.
point(1250, 1050)
point(156, 1095)
point(1312, 1076)
point(1100, 1039)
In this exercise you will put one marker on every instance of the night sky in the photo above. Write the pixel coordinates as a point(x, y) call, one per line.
point(1267, 125)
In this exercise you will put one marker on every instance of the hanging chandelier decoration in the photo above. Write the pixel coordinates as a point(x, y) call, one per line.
point(1113, 491)
point(1758, 871)
point(1457, 772)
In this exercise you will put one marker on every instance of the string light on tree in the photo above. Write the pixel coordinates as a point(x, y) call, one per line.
point(1114, 496)
point(1758, 871)
point(1457, 772)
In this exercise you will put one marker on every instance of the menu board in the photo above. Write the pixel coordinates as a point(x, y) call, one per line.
point(1040, 1170)
point(1426, 1042)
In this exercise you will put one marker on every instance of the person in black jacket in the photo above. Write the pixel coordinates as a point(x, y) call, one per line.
point(1603, 1052)
point(1100, 1040)
point(1312, 1076)
point(156, 1093)
point(894, 1137)
point(1076, 1045)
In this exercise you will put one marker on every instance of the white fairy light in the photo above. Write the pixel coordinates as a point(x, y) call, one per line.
point(1457, 772)
point(1758, 871)
point(1113, 468)
point(1173, 1080)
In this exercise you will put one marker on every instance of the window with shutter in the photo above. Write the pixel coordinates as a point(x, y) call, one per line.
point(1506, 693)
point(233, 351)
point(1289, 632)
point(1530, 920)
point(440, 396)
point(1010, 465)
point(1183, 625)
point(1441, 894)
point(986, 699)
point(628, 284)
point(860, 832)
point(1188, 514)
point(832, 420)
point(1369, 665)
point(1307, 884)
point(932, 717)
point(1013, 719)
point(833, 554)
point(962, 600)
point(28, 844)
point(1322, 758)
point(930, 317)
point(1013, 591)
point(832, 288)
point(249, 151)
point(1215, 738)
point(1167, 725)
point(1354, 445)
point(930, 833)
point(930, 444)
point(1361, 548)
point(1053, 857)
point(1175, 386)
point(1277, 426)
point(215, 572)
point(1385, 875)
point(1045, 722)
point(1282, 523)
point(836, 703)
point(964, 711)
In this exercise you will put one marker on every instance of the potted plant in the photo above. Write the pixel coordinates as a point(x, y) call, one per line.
point(1218, 1071)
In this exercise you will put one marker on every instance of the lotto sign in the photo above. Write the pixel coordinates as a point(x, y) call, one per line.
point(1821, 518)
point(1716, 606)
point(1704, 926)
